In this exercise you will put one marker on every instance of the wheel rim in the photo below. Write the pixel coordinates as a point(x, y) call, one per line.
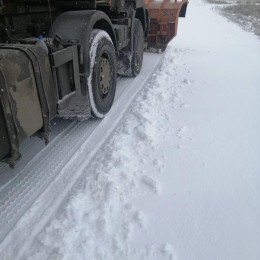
point(105, 77)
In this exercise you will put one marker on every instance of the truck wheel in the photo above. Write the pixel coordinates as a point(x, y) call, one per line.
point(138, 48)
point(103, 77)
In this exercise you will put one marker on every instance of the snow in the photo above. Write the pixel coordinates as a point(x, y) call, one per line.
point(179, 177)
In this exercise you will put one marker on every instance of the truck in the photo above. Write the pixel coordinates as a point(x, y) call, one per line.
point(61, 58)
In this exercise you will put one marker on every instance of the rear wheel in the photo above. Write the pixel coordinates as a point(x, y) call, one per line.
point(102, 78)
point(138, 48)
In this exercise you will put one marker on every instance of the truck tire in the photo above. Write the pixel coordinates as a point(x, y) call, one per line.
point(103, 77)
point(138, 48)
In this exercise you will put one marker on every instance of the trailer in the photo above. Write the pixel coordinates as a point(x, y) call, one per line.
point(61, 59)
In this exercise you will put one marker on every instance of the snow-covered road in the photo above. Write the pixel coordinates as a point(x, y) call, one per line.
point(179, 178)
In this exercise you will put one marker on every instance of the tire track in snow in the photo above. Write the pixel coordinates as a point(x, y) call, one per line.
point(98, 217)
point(54, 167)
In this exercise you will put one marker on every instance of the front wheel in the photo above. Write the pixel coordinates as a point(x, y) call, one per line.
point(103, 77)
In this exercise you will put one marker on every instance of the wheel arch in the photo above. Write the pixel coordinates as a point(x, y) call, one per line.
point(183, 10)
point(103, 24)
point(78, 25)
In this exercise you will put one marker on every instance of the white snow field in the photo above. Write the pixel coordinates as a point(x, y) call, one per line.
point(179, 178)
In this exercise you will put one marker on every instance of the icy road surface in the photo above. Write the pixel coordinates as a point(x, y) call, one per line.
point(53, 166)
point(179, 178)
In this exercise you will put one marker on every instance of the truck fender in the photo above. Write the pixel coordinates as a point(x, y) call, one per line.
point(78, 25)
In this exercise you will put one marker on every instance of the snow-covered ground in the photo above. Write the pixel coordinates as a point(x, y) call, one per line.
point(180, 176)
point(244, 12)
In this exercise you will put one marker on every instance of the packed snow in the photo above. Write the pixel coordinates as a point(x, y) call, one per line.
point(246, 13)
point(180, 176)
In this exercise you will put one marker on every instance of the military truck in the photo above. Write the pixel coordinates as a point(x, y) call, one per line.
point(61, 59)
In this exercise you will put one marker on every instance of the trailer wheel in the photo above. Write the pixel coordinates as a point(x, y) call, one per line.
point(138, 48)
point(103, 77)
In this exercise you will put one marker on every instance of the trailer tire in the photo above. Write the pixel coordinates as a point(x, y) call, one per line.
point(103, 77)
point(138, 48)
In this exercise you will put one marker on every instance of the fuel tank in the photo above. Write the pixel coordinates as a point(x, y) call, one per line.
point(27, 97)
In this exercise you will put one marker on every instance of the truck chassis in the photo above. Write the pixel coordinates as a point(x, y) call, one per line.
point(61, 59)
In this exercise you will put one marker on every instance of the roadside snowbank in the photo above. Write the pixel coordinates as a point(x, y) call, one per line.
point(100, 218)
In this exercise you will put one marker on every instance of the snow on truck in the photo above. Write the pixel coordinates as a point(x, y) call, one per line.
point(61, 59)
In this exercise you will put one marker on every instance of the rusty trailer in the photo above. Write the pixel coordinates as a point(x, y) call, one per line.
point(164, 16)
